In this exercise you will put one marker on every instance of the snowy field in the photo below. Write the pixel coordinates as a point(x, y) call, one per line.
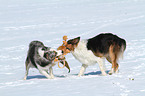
point(22, 21)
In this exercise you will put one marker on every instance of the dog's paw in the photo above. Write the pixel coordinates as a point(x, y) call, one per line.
point(25, 78)
point(117, 71)
point(104, 74)
point(51, 77)
point(79, 75)
point(111, 71)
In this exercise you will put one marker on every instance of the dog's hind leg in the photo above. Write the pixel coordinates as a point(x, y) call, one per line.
point(101, 63)
point(83, 68)
point(51, 73)
point(27, 64)
point(112, 71)
point(113, 57)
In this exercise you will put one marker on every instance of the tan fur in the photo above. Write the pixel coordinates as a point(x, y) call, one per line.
point(113, 54)
point(63, 46)
point(98, 54)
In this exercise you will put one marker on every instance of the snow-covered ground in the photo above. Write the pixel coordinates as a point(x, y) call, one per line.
point(22, 21)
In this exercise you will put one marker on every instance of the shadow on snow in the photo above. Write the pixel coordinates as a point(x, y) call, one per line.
point(63, 76)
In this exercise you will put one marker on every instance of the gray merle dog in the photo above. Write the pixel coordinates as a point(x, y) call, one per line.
point(42, 58)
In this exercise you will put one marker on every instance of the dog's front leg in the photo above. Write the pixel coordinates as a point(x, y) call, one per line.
point(51, 73)
point(43, 72)
point(83, 68)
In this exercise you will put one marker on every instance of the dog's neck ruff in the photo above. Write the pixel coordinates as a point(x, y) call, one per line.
point(84, 55)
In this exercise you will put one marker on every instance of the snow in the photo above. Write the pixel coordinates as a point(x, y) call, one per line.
point(22, 21)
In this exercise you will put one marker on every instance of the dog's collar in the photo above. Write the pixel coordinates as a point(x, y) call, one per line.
point(68, 48)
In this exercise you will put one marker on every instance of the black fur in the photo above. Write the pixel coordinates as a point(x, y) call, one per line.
point(50, 55)
point(73, 41)
point(102, 42)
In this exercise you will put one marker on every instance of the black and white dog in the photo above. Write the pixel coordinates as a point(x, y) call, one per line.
point(96, 49)
point(41, 57)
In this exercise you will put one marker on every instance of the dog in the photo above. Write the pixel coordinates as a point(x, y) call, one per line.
point(95, 50)
point(42, 58)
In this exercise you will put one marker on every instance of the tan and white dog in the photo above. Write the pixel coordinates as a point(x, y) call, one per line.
point(95, 50)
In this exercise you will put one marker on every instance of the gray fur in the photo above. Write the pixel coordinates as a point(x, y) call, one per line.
point(39, 61)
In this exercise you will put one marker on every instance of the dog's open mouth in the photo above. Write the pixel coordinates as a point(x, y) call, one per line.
point(52, 56)
point(65, 51)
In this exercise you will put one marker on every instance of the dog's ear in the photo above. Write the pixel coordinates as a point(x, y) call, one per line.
point(74, 41)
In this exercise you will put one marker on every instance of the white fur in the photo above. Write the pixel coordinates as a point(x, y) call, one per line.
point(44, 71)
point(84, 55)
point(87, 58)
point(41, 52)
point(59, 52)
point(52, 49)
point(83, 68)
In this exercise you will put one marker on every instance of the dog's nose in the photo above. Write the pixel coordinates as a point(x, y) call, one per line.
point(62, 51)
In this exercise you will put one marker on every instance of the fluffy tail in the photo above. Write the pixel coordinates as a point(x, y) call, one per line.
point(122, 49)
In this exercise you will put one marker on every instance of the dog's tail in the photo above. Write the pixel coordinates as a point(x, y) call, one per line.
point(122, 48)
point(118, 48)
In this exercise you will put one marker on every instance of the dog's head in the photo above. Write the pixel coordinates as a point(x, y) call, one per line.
point(69, 45)
point(37, 44)
point(72, 44)
point(51, 55)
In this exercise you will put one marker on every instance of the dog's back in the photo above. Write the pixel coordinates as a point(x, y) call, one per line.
point(101, 44)
point(32, 52)
point(109, 46)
